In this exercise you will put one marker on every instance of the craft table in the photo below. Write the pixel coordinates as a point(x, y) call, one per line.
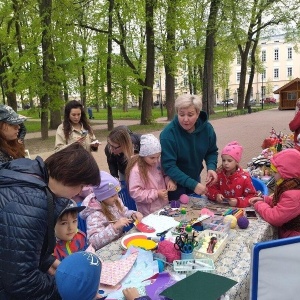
point(234, 261)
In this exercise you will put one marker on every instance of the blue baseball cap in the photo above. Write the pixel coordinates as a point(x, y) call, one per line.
point(78, 276)
point(8, 115)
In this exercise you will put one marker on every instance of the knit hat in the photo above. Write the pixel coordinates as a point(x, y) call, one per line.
point(78, 276)
point(149, 145)
point(234, 149)
point(72, 206)
point(108, 187)
point(8, 115)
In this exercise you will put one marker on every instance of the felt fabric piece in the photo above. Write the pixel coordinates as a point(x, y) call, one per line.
point(114, 271)
point(163, 281)
point(199, 285)
point(144, 228)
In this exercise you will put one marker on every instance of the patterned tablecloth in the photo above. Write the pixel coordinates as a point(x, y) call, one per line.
point(234, 261)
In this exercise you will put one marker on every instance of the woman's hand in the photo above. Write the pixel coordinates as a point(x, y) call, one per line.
point(253, 200)
point(200, 189)
point(232, 201)
point(211, 177)
point(53, 267)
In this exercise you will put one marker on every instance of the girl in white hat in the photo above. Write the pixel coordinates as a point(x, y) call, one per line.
point(147, 184)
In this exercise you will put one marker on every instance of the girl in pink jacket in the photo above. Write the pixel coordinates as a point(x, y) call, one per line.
point(234, 185)
point(283, 208)
point(105, 213)
point(147, 184)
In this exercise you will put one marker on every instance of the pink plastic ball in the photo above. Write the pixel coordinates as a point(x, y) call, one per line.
point(184, 199)
point(243, 222)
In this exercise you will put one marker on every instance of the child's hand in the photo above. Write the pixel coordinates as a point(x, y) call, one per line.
point(137, 216)
point(232, 201)
point(131, 293)
point(122, 222)
point(171, 186)
point(253, 200)
point(220, 198)
point(163, 194)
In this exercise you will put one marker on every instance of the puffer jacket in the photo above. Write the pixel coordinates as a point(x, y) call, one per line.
point(24, 259)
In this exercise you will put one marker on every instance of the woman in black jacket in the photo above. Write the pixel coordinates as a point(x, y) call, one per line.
point(122, 143)
point(32, 195)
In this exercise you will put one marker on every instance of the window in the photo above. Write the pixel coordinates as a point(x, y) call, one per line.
point(238, 76)
point(276, 73)
point(263, 55)
point(263, 75)
point(290, 52)
point(292, 96)
point(157, 83)
point(185, 81)
point(289, 71)
point(276, 54)
point(238, 59)
point(263, 91)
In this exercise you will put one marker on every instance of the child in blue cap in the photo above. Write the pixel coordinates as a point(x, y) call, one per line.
point(78, 276)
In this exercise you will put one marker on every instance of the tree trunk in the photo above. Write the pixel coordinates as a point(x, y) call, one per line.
point(170, 59)
point(146, 115)
point(208, 83)
point(110, 124)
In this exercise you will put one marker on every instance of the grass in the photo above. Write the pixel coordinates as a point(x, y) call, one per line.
point(37, 145)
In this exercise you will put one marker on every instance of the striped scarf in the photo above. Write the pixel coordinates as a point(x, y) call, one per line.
point(288, 184)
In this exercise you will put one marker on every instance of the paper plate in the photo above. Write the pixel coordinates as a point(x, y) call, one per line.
point(142, 243)
point(131, 237)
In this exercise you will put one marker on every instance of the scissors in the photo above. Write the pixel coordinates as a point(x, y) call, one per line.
point(185, 245)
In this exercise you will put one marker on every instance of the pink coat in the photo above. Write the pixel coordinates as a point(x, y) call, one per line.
point(295, 126)
point(99, 233)
point(288, 207)
point(146, 194)
point(238, 185)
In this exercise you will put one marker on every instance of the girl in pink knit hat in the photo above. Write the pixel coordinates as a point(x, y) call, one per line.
point(234, 185)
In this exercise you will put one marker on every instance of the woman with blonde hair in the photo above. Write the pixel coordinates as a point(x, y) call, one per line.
point(187, 141)
point(122, 143)
point(10, 122)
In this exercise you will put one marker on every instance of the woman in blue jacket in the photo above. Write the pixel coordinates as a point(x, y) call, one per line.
point(187, 141)
point(32, 195)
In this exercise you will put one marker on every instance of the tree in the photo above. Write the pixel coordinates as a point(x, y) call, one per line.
point(208, 84)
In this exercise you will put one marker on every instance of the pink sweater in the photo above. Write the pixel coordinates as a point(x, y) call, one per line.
point(146, 194)
point(99, 233)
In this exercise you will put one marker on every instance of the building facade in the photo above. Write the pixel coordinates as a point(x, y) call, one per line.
point(281, 64)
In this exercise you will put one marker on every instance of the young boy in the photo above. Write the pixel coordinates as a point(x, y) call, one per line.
point(69, 238)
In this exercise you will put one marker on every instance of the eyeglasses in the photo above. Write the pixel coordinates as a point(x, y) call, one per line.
point(113, 147)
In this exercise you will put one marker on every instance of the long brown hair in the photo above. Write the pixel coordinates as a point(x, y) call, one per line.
point(12, 148)
point(107, 212)
point(121, 136)
point(83, 119)
point(142, 166)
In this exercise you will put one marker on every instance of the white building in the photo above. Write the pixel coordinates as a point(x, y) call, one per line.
point(281, 64)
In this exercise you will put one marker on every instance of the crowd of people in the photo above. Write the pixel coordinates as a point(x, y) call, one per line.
point(40, 241)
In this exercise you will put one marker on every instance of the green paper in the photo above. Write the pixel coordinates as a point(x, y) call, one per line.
point(200, 285)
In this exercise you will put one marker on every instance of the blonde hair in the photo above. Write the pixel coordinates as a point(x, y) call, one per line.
point(107, 212)
point(121, 136)
point(142, 166)
point(186, 100)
